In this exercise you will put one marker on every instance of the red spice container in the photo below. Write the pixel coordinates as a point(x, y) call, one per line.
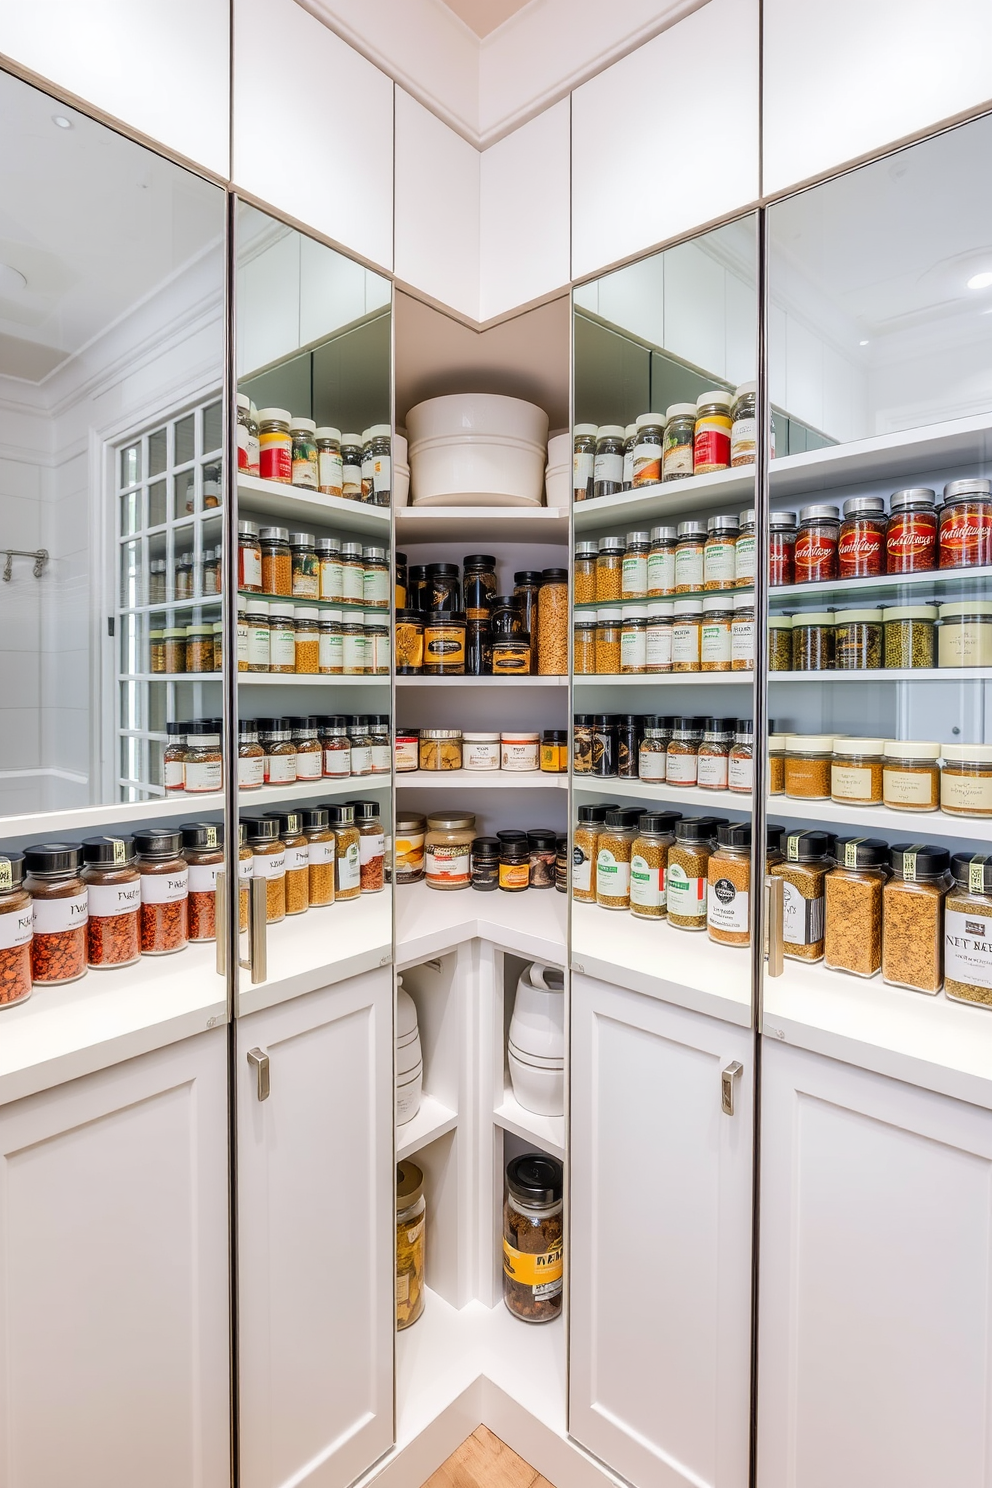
point(861, 545)
point(911, 534)
point(16, 929)
point(816, 544)
point(782, 548)
point(203, 849)
point(966, 524)
point(58, 950)
point(164, 890)
point(114, 890)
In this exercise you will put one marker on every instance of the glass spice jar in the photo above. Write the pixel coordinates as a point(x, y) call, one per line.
point(330, 643)
point(174, 643)
point(728, 886)
point(59, 905)
point(113, 891)
point(713, 754)
point(379, 731)
point(609, 568)
point(687, 622)
point(448, 849)
point(282, 638)
point(909, 636)
point(306, 640)
point(164, 890)
point(633, 639)
point(382, 465)
point(444, 644)
point(484, 869)
point(965, 537)
point(275, 448)
point(247, 437)
point(368, 466)
point(156, 651)
point(808, 860)
point(629, 731)
point(682, 764)
point(360, 740)
point(351, 467)
point(634, 573)
point(661, 561)
point(608, 468)
point(911, 531)
point(584, 461)
point(680, 432)
point(780, 643)
point(861, 542)
point(745, 551)
point(257, 619)
point(533, 1238)
point(277, 561)
point(649, 863)
point(199, 648)
point(174, 757)
point(711, 442)
point(584, 643)
point(813, 642)
point(966, 780)
point(268, 861)
point(652, 752)
point(276, 738)
point(913, 916)
point(203, 769)
point(551, 636)
point(241, 636)
point(742, 634)
point(740, 761)
point(857, 640)
point(375, 578)
point(249, 558)
point(720, 553)
point(203, 849)
point(688, 865)
point(629, 445)
point(297, 849)
point(808, 761)
point(968, 930)
point(609, 635)
point(689, 551)
point(614, 845)
point(965, 635)
point(554, 752)
point(353, 657)
point(561, 863)
point(440, 749)
point(542, 844)
point(658, 638)
point(582, 730)
point(910, 777)
point(309, 749)
point(816, 544)
point(251, 756)
point(411, 1225)
point(16, 931)
point(776, 764)
point(352, 574)
point(590, 820)
point(856, 772)
point(408, 858)
point(782, 539)
point(348, 852)
point(604, 744)
point(330, 467)
point(305, 565)
point(715, 635)
point(743, 432)
point(647, 455)
point(852, 939)
point(329, 559)
point(584, 572)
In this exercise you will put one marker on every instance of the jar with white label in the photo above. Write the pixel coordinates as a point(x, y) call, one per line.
point(480, 752)
point(268, 861)
point(652, 752)
point(379, 734)
point(348, 860)
point(52, 878)
point(321, 853)
point(614, 846)
point(966, 780)
point(682, 764)
point(257, 617)
point(329, 561)
point(371, 846)
point(658, 638)
point(715, 635)
point(352, 574)
point(688, 862)
point(163, 923)
point(375, 579)
point(297, 880)
point(307, 640)
point(203, 770)
point(309, 751)
point(910, 777)
point(330, 471)
point(448, 849)
point(114, 900)
point(251, 756)
point(336, 745)
point(247, 437)
point(856, 772)
point(203, 849)
point(520, 751)
point(689, 552)
point(649, 450)
point(634, 639)
point(353, 644)
point(740, 763)
point(968, 930)
point(634, 574)
point(713, 755)
point(687, 621)
point(276, 737)
point(728, 883)
point(743, 436)
point(330, 643)
point(808, 860)
point(649, 864)
point(720, 553)
point(375, 630)
point(240, 637)
point(661, 561)
point(964, 636)
point(742, 634)
point(16, 931)
point(744, 551)
point(608, 469)
point(583, 461)
point(282, 638)
point(680, 428)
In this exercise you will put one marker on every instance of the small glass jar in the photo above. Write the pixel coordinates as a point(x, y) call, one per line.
point(745, 551)
point(604, 745)
point(582, 729)
point(911, 531)
point(711, 443)
point(351, 467)
point(744, 425)
point(376, 631)
point(440, 749)
point(720, 554)
point(257, 620)
point(506, 616)
point(113, 888)
point(740, 762)
point(305, 565)
point(59, 903)
point(174, 758)
point(367, 466)
point(680, 434)
point(247, 437)
point(652, 753)
point(309, 750)
point(163, 926)
point(347, 852)
point(371, 846)
point(479, 585)
point(533, 1238)
point(776, 764)
point(713, 753)
point(861, 542)
point(816, 544)
point(780, 643)
point(589, 820)
point(682, 765)
point(856, 772)
point(249, 558)
point(689, 551)
point(174, 643)
point(853, 896)
point(609, 569)
point(156, 651)
point(352, 574)
point(661, 562)
point(520, 751)
point(382, 464)
point(184, 576)
point(268, 861)
point(808, 860)
point(277, 561)
point(782, 548)
point(909, 636)
point(329, 561)
point(715, 635)
point(633, 639)
point(219, 645)
point(634, 573)
point(742, 634)
point(542, 845)
point(306, 640)
point(584, 572)
point(609, 631)
point(411, 1225)
point(353, 649)
point(16, 931)
point(360, 741)
point(583, 461)
point(687, 624)
point(968, 931)
point(406, 750)
point(658, 639)
point(444, 644)
point(614, 845)
point(808, 762)
point(282, 639)
point(554, 752)
point(199, 648)
point(275, 448)
point(251, 756)
point(629, 730)
point(203, 769)
point(330, 643)
point(336, 746)
point(728, 886)
point(965, 538)
point(321, 853)
point(157, 586)
point(584, 643)
point(241, 635)
point(480, 752)
point(858, 640)
point(276, 737)
point(211, 571)
point(966, 780)
point(688, 865)
point(965, 635)
point(330, 472)
point(608, 469)
point(648, 864)
point(448, 849)
point(647, 455)
point(813, 642)
point(913, 917)
point(203, 850)
point(375, 579)
point(408, 855)
point(379, 731)
point(910, 775)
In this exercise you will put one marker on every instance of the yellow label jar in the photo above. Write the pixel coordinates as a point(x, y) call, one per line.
point(910, 777)
point(444, 644)
point(966, 780)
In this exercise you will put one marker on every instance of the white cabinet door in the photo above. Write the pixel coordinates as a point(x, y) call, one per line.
point(660, 1240)
point(114, 1315)
point(875, 1298)
point(315, 1237)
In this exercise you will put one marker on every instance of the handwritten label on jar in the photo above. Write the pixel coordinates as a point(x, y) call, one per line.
point(712, 771)
point(108, 900)
point(681, 768)
point(740, 772)
point(908, 787)
point(280, 769)
point(372, 845)
point(164, 888)
point(608, 467)
point(308, 764)
point(968, 795)
point(16, 929)
point(851, 783)
point(53, 915)
point(204, 775)
point(203, 877)
point(297, 857)
point(269, 865)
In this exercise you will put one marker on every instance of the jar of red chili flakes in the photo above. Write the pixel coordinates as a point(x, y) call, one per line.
point(911, 533)
point(816, 544)
point(16, 929)
point(782, 548)
point(114, 890)
point(861, 546)
point(203, 849)
point(966, 524)
point(164, 891)
point(58, 950)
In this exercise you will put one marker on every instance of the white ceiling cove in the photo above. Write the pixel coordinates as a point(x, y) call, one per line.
point(487, 66)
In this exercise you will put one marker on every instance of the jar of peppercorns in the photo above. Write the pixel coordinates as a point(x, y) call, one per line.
point(52, 878)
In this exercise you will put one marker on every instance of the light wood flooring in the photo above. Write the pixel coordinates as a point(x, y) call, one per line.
point(483, 1461)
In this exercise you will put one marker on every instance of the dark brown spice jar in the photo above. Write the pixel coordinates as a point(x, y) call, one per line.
point(52, 878)
point(114, 889)
point(164, 891)
point(533, 1238)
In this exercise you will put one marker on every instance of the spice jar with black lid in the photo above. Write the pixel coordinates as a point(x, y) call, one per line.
point(16, 931)
point(114, 894)
point(808, 860)
point(203, 769)
point(968, 930)
point(543, 845)
point(268, 862)
point(174, 756)
point(713, 754)
point(582, 730)
point(371, 846)
point(913, 916)
point(608, 467)
point(315, 822)
point(514, 862)
point(164, 891)
point(604, 745)
point(688, 862)
point(589, 820)
point(614, 844)
point(533, 1238)
point(444, 588)
point(251, 756)
point(52, 878)
point(479, 585)
point(276, 738)
point(652, 753)
point(728, 897)
point(682, 764)
point(649, 863)
point(485, 864)
point(630, 729)
point(740, 762)
point(203, 849)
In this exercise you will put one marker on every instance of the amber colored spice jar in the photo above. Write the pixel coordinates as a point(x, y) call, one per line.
point(164, 874)
point(114, 891)
point(317, 829)
point(52, 878)
point(203, 849)
point(268, 862)
point(297, 880)
point(16, 931)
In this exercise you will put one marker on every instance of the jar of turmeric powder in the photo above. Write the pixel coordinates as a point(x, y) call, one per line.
point(316, 824)
point(290, 824)
point(268, 862)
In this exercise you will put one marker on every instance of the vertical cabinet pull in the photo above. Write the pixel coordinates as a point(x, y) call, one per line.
point(257, 962)
point(728, 1078)
point(259, 1062)
point(775, 920)
point(220, 923)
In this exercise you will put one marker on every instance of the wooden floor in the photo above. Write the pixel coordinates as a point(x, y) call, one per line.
point(483, 1461)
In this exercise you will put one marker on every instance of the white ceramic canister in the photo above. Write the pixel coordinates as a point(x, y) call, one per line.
point(409, 1093)
point(520, 751)
point(480, 751)
point(537, 1027)
point(539, 1088)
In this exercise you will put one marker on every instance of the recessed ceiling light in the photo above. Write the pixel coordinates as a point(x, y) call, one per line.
point(862, 343)
point(980, 281)
point(12, 281)
point(61, 121)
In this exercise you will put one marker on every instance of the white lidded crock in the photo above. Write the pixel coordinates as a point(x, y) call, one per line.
point(477, 449)
point(537, 1027)
point(558, 471)
point(409, 1093)
point(537, 1087)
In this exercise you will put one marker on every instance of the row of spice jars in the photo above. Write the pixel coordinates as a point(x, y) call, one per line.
point(179, 649)
point(444, 850)
point(192, 577)
point(299, 565)
point(863, 541)
point(293, 451)
point(713, 433)
point(904, 637)
point(317, 855)
point(693, 557)
point(276, 751)
point(902, 774)
point(715, 634)
point(514, 750)
point(713, 753)
point(289, 639)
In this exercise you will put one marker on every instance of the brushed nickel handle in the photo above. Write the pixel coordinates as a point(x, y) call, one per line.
point(259, 1062)
point(257, 931)
point(774, 948)
point(728, 1077)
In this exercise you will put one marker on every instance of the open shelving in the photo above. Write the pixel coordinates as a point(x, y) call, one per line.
point(295, 507)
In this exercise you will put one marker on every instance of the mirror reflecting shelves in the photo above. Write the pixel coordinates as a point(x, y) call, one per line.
point(929, 1041)
point(481, 780)
point(659, 793)
point(947, 583)
point(630, 952)
point(477, 524)
point(431, 921)
point(319, 948)
point(293, 506)
point(546, 1132)
point(433, 1120)
point(885, 457)
point(920, 826)
point(657, 503)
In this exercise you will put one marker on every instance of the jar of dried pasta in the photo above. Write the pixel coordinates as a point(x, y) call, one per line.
point(584, 572)
point(858, 640)
point(808, 760)
point(613, 853)
point(440, 749)
point(589, 824)
point(856, 772)
point(913, 916)
point(609, 568)
point(315, 823)
point(687, 625)
point(649, 863)
point(688, 866)
point(966, 780)
point(682, 763)
point(853, 894)
point(715, 635)
point(728, 897)
point(584, 643)
point(808, 860)
point(776, 764)
point(411, 1224)
point(813, 642)
point(910, 632)
point(780, 643)
point(968, 930)
point(609, 623)
point(347, 852)
point(910, 776)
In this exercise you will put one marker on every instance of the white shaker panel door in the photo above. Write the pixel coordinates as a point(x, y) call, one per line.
point(114, 1316)
point(437, 208)
point(316, 1237)
point(660, 1240)
point(313, 127)
point(525, 213)
point(667, 138)
point(846, 79)
point(875, 1297)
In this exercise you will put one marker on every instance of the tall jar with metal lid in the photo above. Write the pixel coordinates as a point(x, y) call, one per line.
point(382, 466)
point(816, 544)
point(661, 561)
point(715, 635)
point(584, 643)
point(589, 819)
point(249, 558)
point(649, 450)
point(268, 861)
point(203, 768)
point(634, 573)
point(744, 424)
point(680, 433)
point(720, 553)
point(968, 930)
point(276, 737)
point(584, 461)
point(348, 853)
point(16, 931)
point(911, 531)
point(381, 749)
point(686, 627)
point(533, 1238)
point(375, 581)
point(411, 1224)
point(448, 848)
point(629, 444)
point(352, 574)
point(257, 622)
point(658, 639)
point(297, 860)
point(321, 853)
point(275, 446)
point(584, 572)
point(203, 849)
point(247, 437)
point(329, 559)
point(367, 467)
point(744, 551)
point(713, 754)
point(965, 539)
point(740, 761)
point(330, 643)
point(277, 561)
point(351, 467)
point(59, 900)
point(689, 553)
point(711, 443)
point(330, 469)
point(861, 544)
point(163, 923)
point(608, 469)
point(782, 538)
point(251, 756)
point(742, 634)
point(113, 888)
point(609, 568)
point(303, 434)
point(305, 565)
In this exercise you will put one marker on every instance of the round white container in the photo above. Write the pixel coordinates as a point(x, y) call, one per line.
point(520, 752)
point(401, 484)
point(409, 1093)
point(477, 449)
point(558, 471)
point(480, 751)
point(537, 1088)
point(537, 1027)
point(406, 1012)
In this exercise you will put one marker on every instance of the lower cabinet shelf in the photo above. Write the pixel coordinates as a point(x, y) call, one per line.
point(546, 1132)
point(431, 1121)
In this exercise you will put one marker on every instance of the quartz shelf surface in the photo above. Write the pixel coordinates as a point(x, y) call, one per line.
point(952, 583)
point(481, 779)
point(309, 679)
point(321, 947)
point(672, 679)
point(481, 523)
point(466, 682)
point(660, 794)
point(293, 505)
point(889, 674)
point(432, 921)
point(653, 503)
point(431, 1121)
point(921, 826)
point(548, 1132)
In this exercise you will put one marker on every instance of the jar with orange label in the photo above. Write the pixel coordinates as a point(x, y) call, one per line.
point(711, 437)
point(966, 524)
point(448, 849)
point(861, 544)
point(816, 544)
point(911, 533)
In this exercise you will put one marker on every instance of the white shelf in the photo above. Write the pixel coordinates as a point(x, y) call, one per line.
point(546, 1132)
point(653, 503)
point(953, 442)
point(487, 682)
point(951, 582)
point(475, 524)
point(480, 779)
point(321, 947)
point(893, 674)
point(930, 1041)
point(432, 921)
point(431, 1121)
point(619, 948)
point(660, 794)
point(307, 679)
point(170, 676)
point(674, 679)
point(294, 507)
point(921, 826)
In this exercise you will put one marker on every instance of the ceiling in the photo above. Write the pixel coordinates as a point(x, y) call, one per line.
point(483, 16)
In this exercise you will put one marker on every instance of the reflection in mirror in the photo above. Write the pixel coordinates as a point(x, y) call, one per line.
point(111, 361)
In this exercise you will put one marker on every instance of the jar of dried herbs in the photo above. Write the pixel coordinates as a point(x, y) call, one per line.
point(853, 894)
point(808, 860)
point(856, 772)
point(649, 863)
point(910, 632)
point(682, 764)
point(968, 930)
point(652, 754)
point(533, 1238)
point(613, 852)
point(411, 1221)
point(858, 640)
point(590, 822)
point(913, 916)
point(813, 642)
point(728, 873)
point(808, 761)
point(966, 780)
point(780, 643)
point(910, 776)
point(688, 863)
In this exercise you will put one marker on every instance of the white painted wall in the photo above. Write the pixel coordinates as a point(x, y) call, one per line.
point(437, 208)
point(162, 69)
point(524, 222)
